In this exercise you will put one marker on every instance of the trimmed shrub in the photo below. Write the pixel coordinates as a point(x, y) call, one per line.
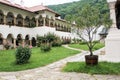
point(45, 47)
point(56, 44)
point(66, 41)
point(50, 37)
point(83, 42)
point(22, 55)
point(96, 41)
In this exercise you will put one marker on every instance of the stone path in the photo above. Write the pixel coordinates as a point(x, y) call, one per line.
point(53, 71)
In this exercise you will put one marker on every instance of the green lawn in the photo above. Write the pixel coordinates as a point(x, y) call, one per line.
point(38, 58)
point(84, 46)
point(101, 68)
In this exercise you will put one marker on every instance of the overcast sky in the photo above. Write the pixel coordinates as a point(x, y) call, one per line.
point(30, 3)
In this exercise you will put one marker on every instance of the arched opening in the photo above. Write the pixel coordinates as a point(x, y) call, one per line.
point(47, 21)
point(117, 7)
point(10, 41)
point(19, 20)
point(1, 39)
point(33, 42)
point(62, 28)
point(1, 42)
point(51, 23)
point(10, 18)
point(1, 17)
point(40, 21)
point(27, 21)
point(58, 27)
point(33, 22)
point(19, 40)
point(27, 40)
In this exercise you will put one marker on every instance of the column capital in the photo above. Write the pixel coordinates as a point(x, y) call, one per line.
point(112, 5)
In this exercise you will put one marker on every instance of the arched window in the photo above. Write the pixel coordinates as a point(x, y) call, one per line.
point(46, 21)
point(58, 27)
point(40, 21)
point(10, 18)
point(1, 17)
point(27, 41)
point(51, 24)
point(27, 21)
point(33, 42)
point(10, 39)
point(33, 22)
point(19, 20)
point(1, 39)
point(19, 40)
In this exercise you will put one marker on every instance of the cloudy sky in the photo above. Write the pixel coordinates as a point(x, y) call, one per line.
point(30, 3)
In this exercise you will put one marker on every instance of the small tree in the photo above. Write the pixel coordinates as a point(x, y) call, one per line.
point(89, 20)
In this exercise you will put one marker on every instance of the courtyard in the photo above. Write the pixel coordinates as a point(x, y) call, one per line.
point(53, 70)
point(81, 42)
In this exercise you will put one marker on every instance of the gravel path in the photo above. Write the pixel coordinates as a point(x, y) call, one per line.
point(53, 71)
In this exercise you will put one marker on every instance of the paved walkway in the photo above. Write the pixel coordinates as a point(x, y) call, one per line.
point(53, 71)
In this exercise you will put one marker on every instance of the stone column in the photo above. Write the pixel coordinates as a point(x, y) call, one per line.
point(30, 42)
point(23, 42)
point(4, 21)
point(14, 43)
point(36, 22)
point(43, 21)
point(53, 23)
point(23, 22)
point(113, 14)
point(4, 43)
point(49, 21)
point(14, 21)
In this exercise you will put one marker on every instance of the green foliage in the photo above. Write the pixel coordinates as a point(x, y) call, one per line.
point(101, 68)
point(70, 10)
point(40, 39)
point(83, 43)
point(57, 42)
point(22, 55)
point(90, 19)
point(49, 38)
point(38, 59)
point(45, 47)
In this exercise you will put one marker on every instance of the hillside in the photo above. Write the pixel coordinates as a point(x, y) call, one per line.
point(68, 10)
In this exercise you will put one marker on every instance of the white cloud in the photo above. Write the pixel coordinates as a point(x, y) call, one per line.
point(45, 2)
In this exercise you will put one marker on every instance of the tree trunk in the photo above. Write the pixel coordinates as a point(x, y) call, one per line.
point(91, 52)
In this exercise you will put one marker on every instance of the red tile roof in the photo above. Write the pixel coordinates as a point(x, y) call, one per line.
point(41, 7)
point(30, 9)
point(14, 5)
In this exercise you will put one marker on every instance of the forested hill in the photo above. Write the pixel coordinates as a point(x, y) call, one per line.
point(68, 10)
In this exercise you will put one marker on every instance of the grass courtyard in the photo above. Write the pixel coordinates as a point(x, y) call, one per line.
point(84, 46)
point(101, 68)
point(38, 58)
